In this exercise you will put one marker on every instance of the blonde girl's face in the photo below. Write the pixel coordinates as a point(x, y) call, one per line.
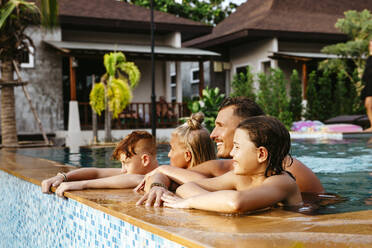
point(245, 154)
point(178, 153)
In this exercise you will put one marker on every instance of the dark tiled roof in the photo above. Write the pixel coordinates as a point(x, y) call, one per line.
point(113, 14)
point(303, 16)
point(116, 10)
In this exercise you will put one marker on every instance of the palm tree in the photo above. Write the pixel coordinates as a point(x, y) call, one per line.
point(15, 17)
point(113, 93)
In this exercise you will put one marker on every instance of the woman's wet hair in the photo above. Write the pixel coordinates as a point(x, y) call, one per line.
point(197, 139)
point(270, 133)
point(244, 107)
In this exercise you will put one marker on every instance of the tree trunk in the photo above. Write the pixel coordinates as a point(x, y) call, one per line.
point(8, 120)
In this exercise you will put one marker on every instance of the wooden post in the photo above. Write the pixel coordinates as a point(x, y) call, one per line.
point(94, 117)
point(201, 78)
point(72, 80)
point(304, 79)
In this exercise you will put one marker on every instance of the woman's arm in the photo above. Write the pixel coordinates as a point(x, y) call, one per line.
point(224, 182)
point(123, 181)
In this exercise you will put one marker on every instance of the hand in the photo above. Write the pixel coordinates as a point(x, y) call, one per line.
point(141, 185)
point(68, 186)
point(153, 197)
point(53, 181)
point(174, 201)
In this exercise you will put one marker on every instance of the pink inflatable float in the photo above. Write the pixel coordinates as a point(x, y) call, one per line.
point(317, 126)
point(342, 128)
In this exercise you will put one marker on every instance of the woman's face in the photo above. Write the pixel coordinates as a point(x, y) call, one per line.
point(178, 153)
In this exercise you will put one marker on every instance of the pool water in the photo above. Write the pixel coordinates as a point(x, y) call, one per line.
point(343, 166)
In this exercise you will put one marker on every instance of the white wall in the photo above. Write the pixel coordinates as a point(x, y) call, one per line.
point(142, 93)
point(252, 54)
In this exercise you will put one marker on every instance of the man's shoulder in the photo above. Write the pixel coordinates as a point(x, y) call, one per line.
point(214, 167)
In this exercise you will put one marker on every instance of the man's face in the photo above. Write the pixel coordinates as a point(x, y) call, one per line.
point(223, 133)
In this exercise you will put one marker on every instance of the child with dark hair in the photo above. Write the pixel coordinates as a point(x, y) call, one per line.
point(258, 179)
point(137, 154)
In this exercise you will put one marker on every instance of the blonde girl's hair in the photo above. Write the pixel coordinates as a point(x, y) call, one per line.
point(197, 139)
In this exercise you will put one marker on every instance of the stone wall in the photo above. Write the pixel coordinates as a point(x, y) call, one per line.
point(44, 87)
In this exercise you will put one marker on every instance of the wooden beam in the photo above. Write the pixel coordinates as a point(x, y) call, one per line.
point(304, 79)
point(72, 80)
point(201, 78)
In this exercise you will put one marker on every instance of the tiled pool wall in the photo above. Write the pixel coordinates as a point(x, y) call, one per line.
point(29, 218)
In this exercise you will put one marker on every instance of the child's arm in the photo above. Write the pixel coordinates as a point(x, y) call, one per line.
point(123, 181)
point(272, 191)
point(224, 182)
point(77, 175)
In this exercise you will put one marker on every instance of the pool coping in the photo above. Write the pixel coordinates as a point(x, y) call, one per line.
point(132, 220)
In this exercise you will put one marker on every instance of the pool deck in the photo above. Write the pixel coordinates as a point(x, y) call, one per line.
point(193, 228)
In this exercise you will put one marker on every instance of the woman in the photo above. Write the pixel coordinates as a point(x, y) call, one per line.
point(367, 91)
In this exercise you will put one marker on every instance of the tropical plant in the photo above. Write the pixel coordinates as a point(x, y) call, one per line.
point(242, 84)
point(208, 104)
point(295, 103)
point(113, 93)
point(358, 27)
point(15, 17)
point(209, 11)
point(319, 96)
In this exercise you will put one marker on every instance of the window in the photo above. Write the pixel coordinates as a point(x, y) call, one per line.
point(173, 87)
point(195, 76)
point(266, 66)
point(27, 59)
point(241, 69)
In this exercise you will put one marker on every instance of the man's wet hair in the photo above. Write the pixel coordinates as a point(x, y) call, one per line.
point(128, 144)
point(270, 133)
point(244, 107)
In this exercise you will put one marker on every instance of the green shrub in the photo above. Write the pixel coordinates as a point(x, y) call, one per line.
point(295, 103)
point(208, 104)
point(242, 85)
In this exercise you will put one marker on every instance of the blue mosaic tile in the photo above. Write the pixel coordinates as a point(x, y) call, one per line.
point(28, 218)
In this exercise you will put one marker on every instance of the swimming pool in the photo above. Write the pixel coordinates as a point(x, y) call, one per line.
point(343, 166)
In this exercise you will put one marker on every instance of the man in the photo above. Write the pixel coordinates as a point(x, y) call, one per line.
point(232, 111)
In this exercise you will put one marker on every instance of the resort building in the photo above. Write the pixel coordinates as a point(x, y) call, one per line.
point(264, 34)
point(67, 61)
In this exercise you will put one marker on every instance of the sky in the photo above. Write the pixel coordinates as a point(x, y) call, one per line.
point(238, 2)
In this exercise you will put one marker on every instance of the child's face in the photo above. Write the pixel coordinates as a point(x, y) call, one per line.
point(245, 154)
point(132, 165)
point(177, 153)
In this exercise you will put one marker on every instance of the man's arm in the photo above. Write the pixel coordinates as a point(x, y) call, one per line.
point(123, 181)
point(306, 180)
point(77, 175)
point(213, 168)
point(180, 175)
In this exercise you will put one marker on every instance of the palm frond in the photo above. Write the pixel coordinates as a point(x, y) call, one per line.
point(49, 13)
point(7, 11)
